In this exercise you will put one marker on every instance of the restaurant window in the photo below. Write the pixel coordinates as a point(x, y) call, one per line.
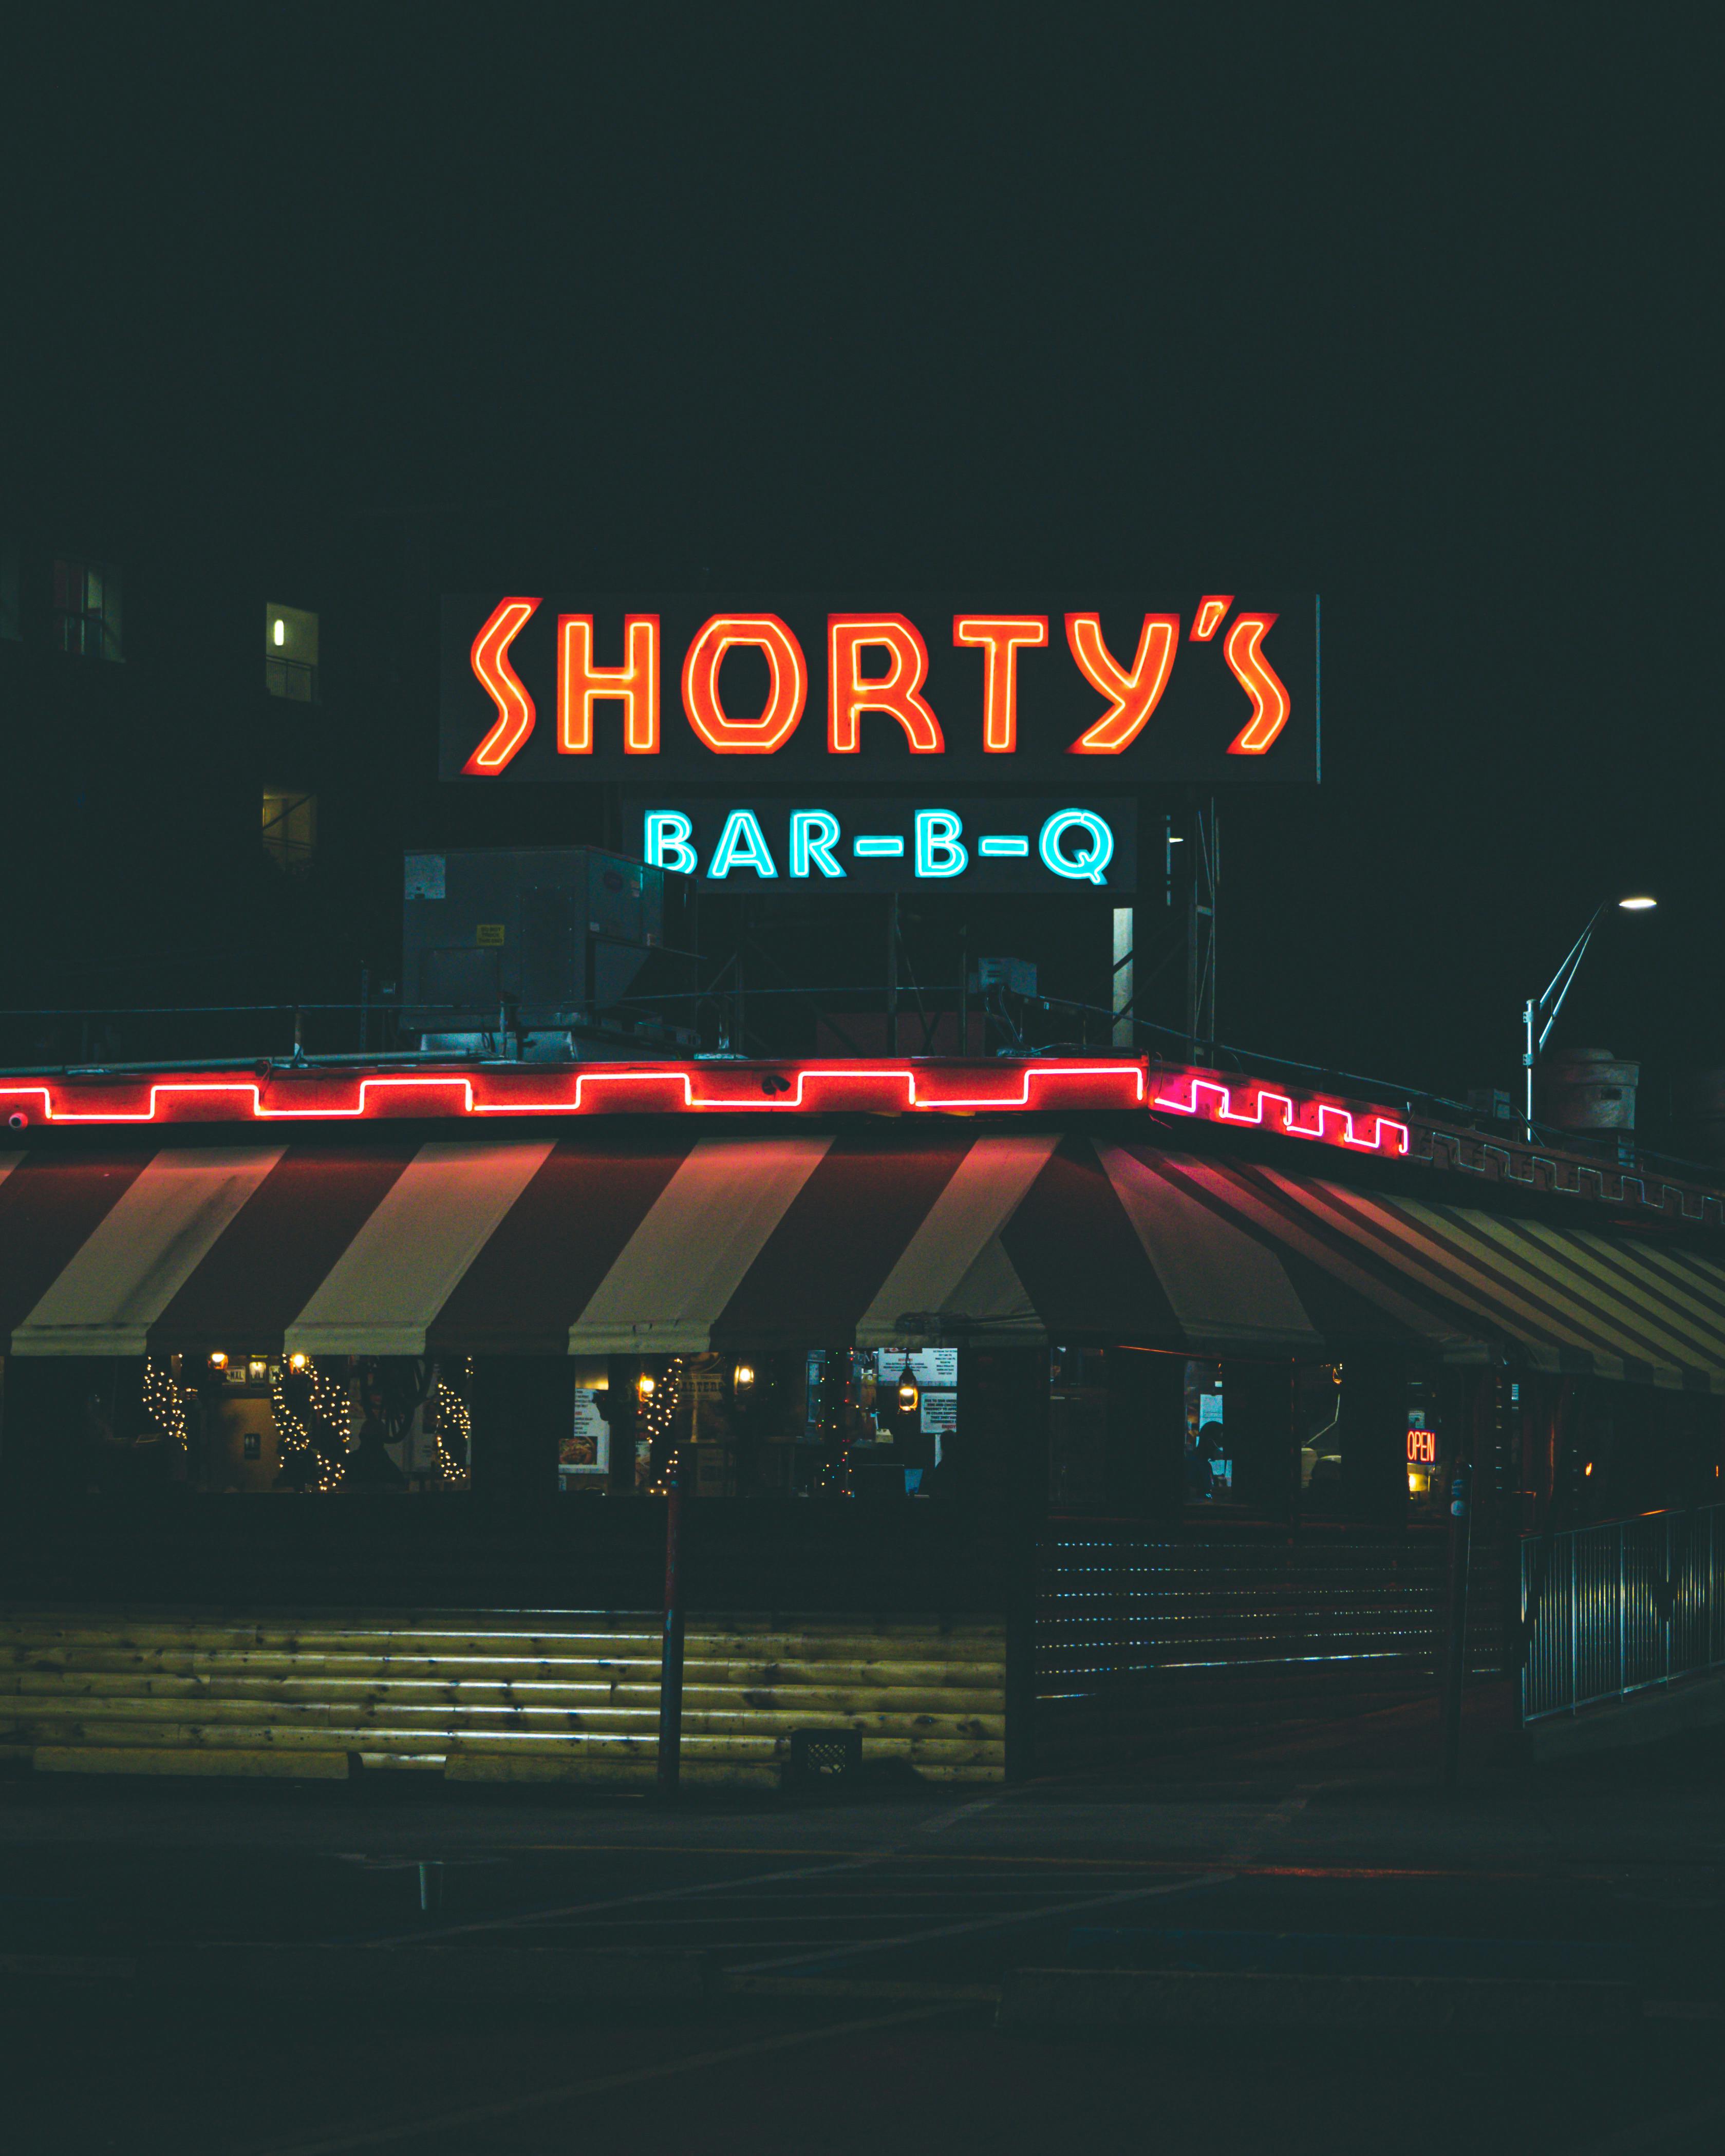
point(1078, 1429)
point(86, 612)
point(289, 827)
point(11, 618)
point(290, 653)
point(1209, 1461)
point(797, 1423)
point(233, 1421)
point(1320, 1409)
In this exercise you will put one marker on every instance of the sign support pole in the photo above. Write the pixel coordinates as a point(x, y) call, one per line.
point(1124, 1024)
point(671, 1666)
point(892, 973)
point(1456, 1597)
point(1206, 871)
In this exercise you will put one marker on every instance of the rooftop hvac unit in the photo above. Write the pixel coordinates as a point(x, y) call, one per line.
point(535, 950)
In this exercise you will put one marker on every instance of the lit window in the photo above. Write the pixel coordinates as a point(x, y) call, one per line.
point(290, 653)
point(86, 609)
point(289, 826)
point(9, 625)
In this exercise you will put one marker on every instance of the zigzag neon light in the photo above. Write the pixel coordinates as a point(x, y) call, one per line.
point(1334, 1126)
point(693, 1089)
point(1123, 1084)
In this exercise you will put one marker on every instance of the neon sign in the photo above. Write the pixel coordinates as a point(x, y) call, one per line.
point(1422, 1448)
point(314, 1096)
point(1211, 688)
point(883, 844)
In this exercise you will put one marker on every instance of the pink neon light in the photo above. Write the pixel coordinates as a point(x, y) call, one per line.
point(685, 1089)
point(1328, 1115)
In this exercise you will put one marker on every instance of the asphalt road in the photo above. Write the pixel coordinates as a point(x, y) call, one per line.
point(858, 1945)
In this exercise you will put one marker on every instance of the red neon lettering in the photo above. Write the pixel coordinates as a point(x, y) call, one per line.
point(1209, 618)
point(1131, 697)
point(503, 686)
point(1422, 1447)
point(1002, 636)
point(848, 694)
point(1270, 704)
point(580, 685)
point(786, 695)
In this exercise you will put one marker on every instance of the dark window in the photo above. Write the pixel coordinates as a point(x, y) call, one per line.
point(9, 625)
point(289, 826)
point(86, 609)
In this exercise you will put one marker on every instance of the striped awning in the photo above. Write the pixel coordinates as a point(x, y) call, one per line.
point(674, 1240)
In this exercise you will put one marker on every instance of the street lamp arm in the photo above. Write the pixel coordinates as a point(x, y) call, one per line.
point(1552, 1002)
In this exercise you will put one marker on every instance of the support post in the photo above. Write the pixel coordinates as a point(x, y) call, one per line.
point(1205, 872)
point(670, 1665)
point(1456, 1599)
point(892, 973)
point(1125, 1025)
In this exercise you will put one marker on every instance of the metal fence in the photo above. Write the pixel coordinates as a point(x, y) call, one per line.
point(1623, 1606)
point(1114, 1608)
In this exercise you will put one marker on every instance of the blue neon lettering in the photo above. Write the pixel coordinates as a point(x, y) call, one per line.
point(742, 844)
point(814, 835)
point(1003, 847)
point(665, 843)
point(938, 850)
point(878, 849)
point(1085, 868)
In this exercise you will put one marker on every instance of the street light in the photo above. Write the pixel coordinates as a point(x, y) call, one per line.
point(1543, 1015)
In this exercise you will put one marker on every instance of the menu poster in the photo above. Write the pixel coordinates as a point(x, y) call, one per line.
point(936, 1367)
point(586, 1449)
point(940, 1411)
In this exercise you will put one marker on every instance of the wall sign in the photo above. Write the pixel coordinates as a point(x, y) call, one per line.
point(1129, 689)
point(1010, 844)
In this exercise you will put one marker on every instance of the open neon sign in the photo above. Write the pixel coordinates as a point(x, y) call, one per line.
point(814, 1088)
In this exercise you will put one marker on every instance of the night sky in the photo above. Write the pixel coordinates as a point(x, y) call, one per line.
point(1417, 308)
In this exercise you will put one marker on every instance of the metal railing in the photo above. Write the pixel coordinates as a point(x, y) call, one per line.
point(1621, 1607)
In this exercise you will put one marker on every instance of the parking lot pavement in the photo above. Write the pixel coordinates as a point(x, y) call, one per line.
point(855, 1950)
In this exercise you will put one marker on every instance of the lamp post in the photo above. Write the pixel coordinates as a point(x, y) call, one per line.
point(1538, 1018)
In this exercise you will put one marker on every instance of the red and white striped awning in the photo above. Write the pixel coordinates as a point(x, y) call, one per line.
point(675, 1238)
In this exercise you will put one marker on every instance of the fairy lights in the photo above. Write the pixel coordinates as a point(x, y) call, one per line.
point(164, 1403)
point(327, 1402)
point(453, 1413)
point(658, 1413)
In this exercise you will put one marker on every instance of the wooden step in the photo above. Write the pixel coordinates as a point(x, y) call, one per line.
point(20, 1693)
point(272, 1664)
point(758, 1745)
point(31, 1721)
point(641, 1644)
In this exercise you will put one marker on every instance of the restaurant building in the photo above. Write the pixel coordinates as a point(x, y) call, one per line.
point(1026, 1410)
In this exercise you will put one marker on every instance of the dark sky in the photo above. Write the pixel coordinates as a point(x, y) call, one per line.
point(1417, 307)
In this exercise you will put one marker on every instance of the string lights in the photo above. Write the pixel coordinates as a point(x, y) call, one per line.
point(328, 1402)
point(453, 1414)
point(164, 1404)
point(658, 1417)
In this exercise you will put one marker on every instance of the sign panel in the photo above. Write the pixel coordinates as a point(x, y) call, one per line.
point(929, 1366)
point(586, 1449)
point(867, 843)
point(1126, 689)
